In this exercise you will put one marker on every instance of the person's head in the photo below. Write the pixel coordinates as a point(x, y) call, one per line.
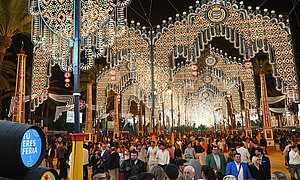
point(152, 143)
point(229, 177)
point(103, 147)
point(208, 172)
point(162, 146)
point(277, 175)
point(189, 145)
point(256, 160)
point(189, 173)
point(215, 150)
point(113, 148)
point(237, 157)
point(181, 164)
point(188, 157)
point(259, 152)
point(134, 155)
point(145, 176)
point(139, 147)
point(293, 148)
point(158, 172)
point(171, 171)
point(100, 174)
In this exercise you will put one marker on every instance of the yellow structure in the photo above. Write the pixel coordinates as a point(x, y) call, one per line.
point(77, 156)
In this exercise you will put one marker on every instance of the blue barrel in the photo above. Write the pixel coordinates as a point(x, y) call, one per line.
point(22, 147)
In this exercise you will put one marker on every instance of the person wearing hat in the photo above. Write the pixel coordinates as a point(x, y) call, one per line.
point(195, 164)
point(217, 161)
point(181, 164)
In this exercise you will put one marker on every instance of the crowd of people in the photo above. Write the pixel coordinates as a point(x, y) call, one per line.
point(194, 156)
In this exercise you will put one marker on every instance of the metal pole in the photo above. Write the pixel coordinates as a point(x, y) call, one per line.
point(178, 112)
point(76, 60)
point(152, 77)
point(172, 110)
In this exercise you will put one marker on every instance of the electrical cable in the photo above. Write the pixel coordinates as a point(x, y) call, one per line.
point(138, 13)
point(175, 8)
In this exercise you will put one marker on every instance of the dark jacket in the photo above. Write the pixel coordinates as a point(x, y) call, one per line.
point(266, 162)
point(135, 169)
point(105, 158)
point(261, 174)
point(114, 161)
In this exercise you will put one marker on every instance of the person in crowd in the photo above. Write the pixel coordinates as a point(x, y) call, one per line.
point(203, 154)
point(177, 152)
point(208, 173)
point(162, 156)
point(264, 161)
point(113, 164)
point(51, 155)
point(145, 176)
point(294, 162)
point(278, 176)
point(257, 170)
point(209, 146)
point(105, 155)
point(171, 172)
point(63, 166)
point(229, 177)
point(221, 145)
point(252, 151)
point(158, 172)
point(85, 161)
point(229, 157)
point(189, 173)
point(195, 164)
point(263, 142)
point(132, 166)
point(217, 161)
point(101, 174)
point(152, 150)
point(96, 161)
point(198, 149)
point(171, 153)
point(238, 169)
point(190, 150)
point(181, 164)
point(244, 152)
point(142, 153)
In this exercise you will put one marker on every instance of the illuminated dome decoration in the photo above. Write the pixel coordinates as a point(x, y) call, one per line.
point(210, 60)
point(216, 14)
point(58, 15)
point(207, 79)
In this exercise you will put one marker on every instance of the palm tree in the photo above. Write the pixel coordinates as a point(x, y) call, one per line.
point(14, 19)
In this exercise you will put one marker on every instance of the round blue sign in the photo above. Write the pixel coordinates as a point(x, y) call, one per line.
point(31, 147)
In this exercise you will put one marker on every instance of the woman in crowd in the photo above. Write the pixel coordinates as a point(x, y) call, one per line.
point(208, 173)
point(177, 152)
point(257, 170)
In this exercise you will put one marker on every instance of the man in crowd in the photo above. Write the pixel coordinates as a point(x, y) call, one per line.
point(189, 173)
point(132, 166)
point(113, 164)
point(238, 169)
point(264, 160)
point(181, 164)
point(195, 164)
point(105, 155)
point(85, 162)
point(244, 152)
point(294, 162)
point(162, 156)
point(252, 151)
point(217, 161)
point(152, 150)
point(171, 172)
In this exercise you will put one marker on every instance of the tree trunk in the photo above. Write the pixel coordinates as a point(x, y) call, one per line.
point(5, 43)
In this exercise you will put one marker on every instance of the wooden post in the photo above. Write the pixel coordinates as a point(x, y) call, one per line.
point(247, 122)
point(19, 103)
point(140, 122)
point(116, 116)
point(89, 113)
point(267, 129)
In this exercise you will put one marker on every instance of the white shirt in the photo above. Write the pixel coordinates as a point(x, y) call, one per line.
point(244, 154)
point(163, 157)
point(294, 157)
point(151, 152)
point(241, 174)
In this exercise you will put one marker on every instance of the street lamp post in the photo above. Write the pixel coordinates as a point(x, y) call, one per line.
point(170, 92)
